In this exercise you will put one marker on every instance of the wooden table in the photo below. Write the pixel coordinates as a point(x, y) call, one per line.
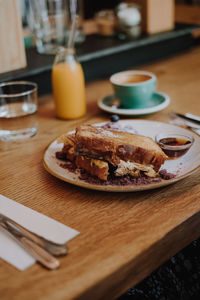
point(123, 236)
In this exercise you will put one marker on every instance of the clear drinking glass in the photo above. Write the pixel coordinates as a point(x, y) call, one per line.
point(52, 23)
point(18, 107)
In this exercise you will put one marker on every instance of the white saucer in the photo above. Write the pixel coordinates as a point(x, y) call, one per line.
point(158, 102)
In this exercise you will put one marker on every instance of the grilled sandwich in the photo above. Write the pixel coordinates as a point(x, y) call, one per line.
point(101, 151)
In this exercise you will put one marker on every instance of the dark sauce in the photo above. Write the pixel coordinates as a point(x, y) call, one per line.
point(177, 147)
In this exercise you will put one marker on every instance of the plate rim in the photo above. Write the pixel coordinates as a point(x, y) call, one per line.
point(136, 111)
point(110, 188)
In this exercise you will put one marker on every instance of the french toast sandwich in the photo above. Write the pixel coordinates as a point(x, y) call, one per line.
point(101, 151)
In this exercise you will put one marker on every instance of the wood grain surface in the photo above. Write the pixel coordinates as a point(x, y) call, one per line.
point(123, 236)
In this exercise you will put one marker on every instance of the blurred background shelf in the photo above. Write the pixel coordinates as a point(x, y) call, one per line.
point(102, 56)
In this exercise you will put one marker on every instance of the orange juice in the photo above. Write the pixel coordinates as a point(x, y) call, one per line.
point(69, 89)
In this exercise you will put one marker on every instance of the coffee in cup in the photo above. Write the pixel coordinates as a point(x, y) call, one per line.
point(134, 89)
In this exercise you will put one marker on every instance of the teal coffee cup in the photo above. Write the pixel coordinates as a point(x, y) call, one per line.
point(134, 89)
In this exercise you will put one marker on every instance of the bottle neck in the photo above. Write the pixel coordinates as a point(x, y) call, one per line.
point(67, 55)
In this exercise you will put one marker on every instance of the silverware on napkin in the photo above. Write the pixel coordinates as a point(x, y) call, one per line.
point(186, 120)
point(41, 248)
point(190, 118)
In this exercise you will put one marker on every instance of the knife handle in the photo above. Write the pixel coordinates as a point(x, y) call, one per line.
point(41, 255)
point(53, 248)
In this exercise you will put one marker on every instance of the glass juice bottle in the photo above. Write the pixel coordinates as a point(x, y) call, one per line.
point(68, 85)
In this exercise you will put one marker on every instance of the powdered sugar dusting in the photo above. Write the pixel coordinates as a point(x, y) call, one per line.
point(106, 133)
point(120, 127)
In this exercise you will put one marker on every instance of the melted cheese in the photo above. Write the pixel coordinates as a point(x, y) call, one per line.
point(98, 163)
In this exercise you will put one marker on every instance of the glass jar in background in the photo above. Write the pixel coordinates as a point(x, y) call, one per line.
point(68, 85)
point(129, 20)
point(52, 23)
point(106, 22)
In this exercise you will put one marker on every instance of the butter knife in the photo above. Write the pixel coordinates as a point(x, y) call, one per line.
point(39, 253)
point(54, 248)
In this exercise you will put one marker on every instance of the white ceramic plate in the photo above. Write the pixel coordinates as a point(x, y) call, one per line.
point(158, 102)
point(182, 167)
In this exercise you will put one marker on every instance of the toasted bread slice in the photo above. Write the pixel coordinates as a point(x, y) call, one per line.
point(92, 166)
point(113, 146)
point(69, 146)
point(95, 167)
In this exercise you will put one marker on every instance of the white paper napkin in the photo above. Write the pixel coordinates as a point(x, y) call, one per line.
point(10, 250)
